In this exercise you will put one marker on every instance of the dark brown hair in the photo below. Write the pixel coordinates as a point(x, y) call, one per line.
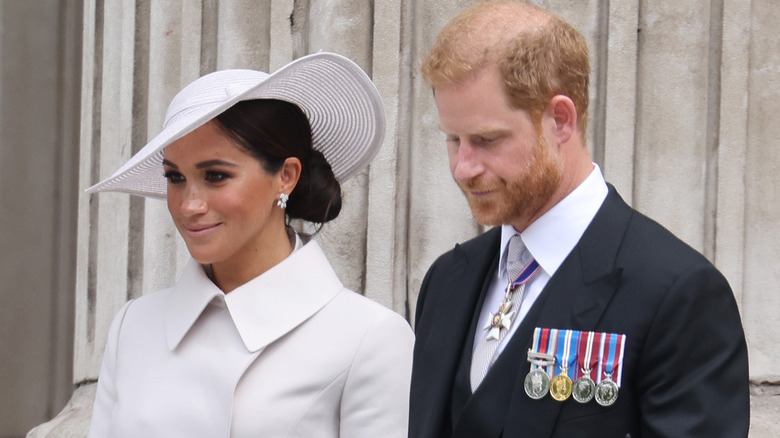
point(274, 130)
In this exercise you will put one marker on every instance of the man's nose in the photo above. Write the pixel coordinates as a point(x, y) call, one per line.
point(464, 163)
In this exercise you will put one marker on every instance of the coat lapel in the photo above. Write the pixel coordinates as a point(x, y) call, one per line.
point(448, 317)
point(282, 298)
point(263, 309)
point(576, 297)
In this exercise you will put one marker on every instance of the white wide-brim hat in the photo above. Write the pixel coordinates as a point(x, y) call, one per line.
point(342, 104)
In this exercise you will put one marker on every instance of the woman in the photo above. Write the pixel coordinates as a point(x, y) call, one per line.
point(258, 338)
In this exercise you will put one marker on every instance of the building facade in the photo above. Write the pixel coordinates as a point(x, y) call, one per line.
point(683, 122)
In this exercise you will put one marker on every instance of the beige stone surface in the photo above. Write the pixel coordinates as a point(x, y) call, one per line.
point(39, 76)
point(73, 421)
point(765, 411)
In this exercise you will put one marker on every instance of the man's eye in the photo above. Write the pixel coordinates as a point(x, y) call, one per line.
point(173, 177)
point(453, 140)
point(484, 140)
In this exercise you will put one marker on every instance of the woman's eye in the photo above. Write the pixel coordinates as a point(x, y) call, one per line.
point(173, 177)
point(212, 176)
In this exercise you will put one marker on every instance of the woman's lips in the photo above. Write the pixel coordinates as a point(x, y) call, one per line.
point(196, 231)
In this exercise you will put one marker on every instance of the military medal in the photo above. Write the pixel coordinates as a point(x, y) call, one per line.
point(537, 382)
point(613, 346)
point(584, 387)
point(561, 385)
point(502, 319)
point(606, 392)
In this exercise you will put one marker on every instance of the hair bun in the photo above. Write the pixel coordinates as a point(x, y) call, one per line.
point(317, 197)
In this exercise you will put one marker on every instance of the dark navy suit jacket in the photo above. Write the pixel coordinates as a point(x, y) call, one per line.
point(685, 369)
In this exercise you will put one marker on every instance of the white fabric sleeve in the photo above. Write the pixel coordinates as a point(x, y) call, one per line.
point(375, 402)
point(105, 397)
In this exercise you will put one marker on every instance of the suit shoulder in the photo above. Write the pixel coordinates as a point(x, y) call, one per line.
point(655, 245)
point(475, 247)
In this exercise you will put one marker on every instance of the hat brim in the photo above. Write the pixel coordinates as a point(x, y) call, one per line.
point(342, 104)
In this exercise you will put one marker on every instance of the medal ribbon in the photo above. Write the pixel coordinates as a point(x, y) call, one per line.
point(538, 355)
point(586, 359)
point(622, 348)
point(567, 352)
point(552, 342)
point(526, 274)
point(602, 343)
point(535, 347)
point(614, 355)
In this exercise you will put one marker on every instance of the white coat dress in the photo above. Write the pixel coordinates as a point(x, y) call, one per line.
point(291, 353)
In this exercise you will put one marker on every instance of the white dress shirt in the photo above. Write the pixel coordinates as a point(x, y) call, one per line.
point(550, 239)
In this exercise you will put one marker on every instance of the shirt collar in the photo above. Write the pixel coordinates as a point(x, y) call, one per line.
point(552, 236)
point(263, 309)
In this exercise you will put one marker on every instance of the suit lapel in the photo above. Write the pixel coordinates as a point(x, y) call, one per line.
point(485, 412)
point(448, 317)
point(461, 386)
point(574, 298)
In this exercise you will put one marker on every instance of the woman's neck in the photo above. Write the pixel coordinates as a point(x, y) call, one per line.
point(231, 274)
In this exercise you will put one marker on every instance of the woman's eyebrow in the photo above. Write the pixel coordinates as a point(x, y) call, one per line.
point(209, 163)
point(203, 164)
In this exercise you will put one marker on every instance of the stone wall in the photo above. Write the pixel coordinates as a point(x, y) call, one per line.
point(39, 100)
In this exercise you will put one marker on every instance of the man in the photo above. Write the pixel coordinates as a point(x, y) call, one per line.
point(646, 328)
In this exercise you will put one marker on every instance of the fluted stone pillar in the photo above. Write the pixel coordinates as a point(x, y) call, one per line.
point(39, 99)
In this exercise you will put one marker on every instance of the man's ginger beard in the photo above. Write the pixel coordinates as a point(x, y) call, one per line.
point(518, 199)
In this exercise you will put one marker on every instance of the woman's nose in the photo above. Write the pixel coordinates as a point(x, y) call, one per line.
point(193, 203)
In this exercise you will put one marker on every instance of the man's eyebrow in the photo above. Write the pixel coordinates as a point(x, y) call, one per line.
point(480, 132)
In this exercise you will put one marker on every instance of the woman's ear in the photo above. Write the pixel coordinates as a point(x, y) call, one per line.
point(289, 174)
point(562, 111)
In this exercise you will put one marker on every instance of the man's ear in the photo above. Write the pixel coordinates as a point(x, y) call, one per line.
point(562, 111)
point(289, 174)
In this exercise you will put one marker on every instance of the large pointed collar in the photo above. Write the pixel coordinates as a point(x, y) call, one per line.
point(265, 308)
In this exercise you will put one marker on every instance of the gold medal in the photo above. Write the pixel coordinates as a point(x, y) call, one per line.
point(560, 387)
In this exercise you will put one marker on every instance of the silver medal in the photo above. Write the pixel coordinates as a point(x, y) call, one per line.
point(606, 392)
point(583, 390)
point(537, 384)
